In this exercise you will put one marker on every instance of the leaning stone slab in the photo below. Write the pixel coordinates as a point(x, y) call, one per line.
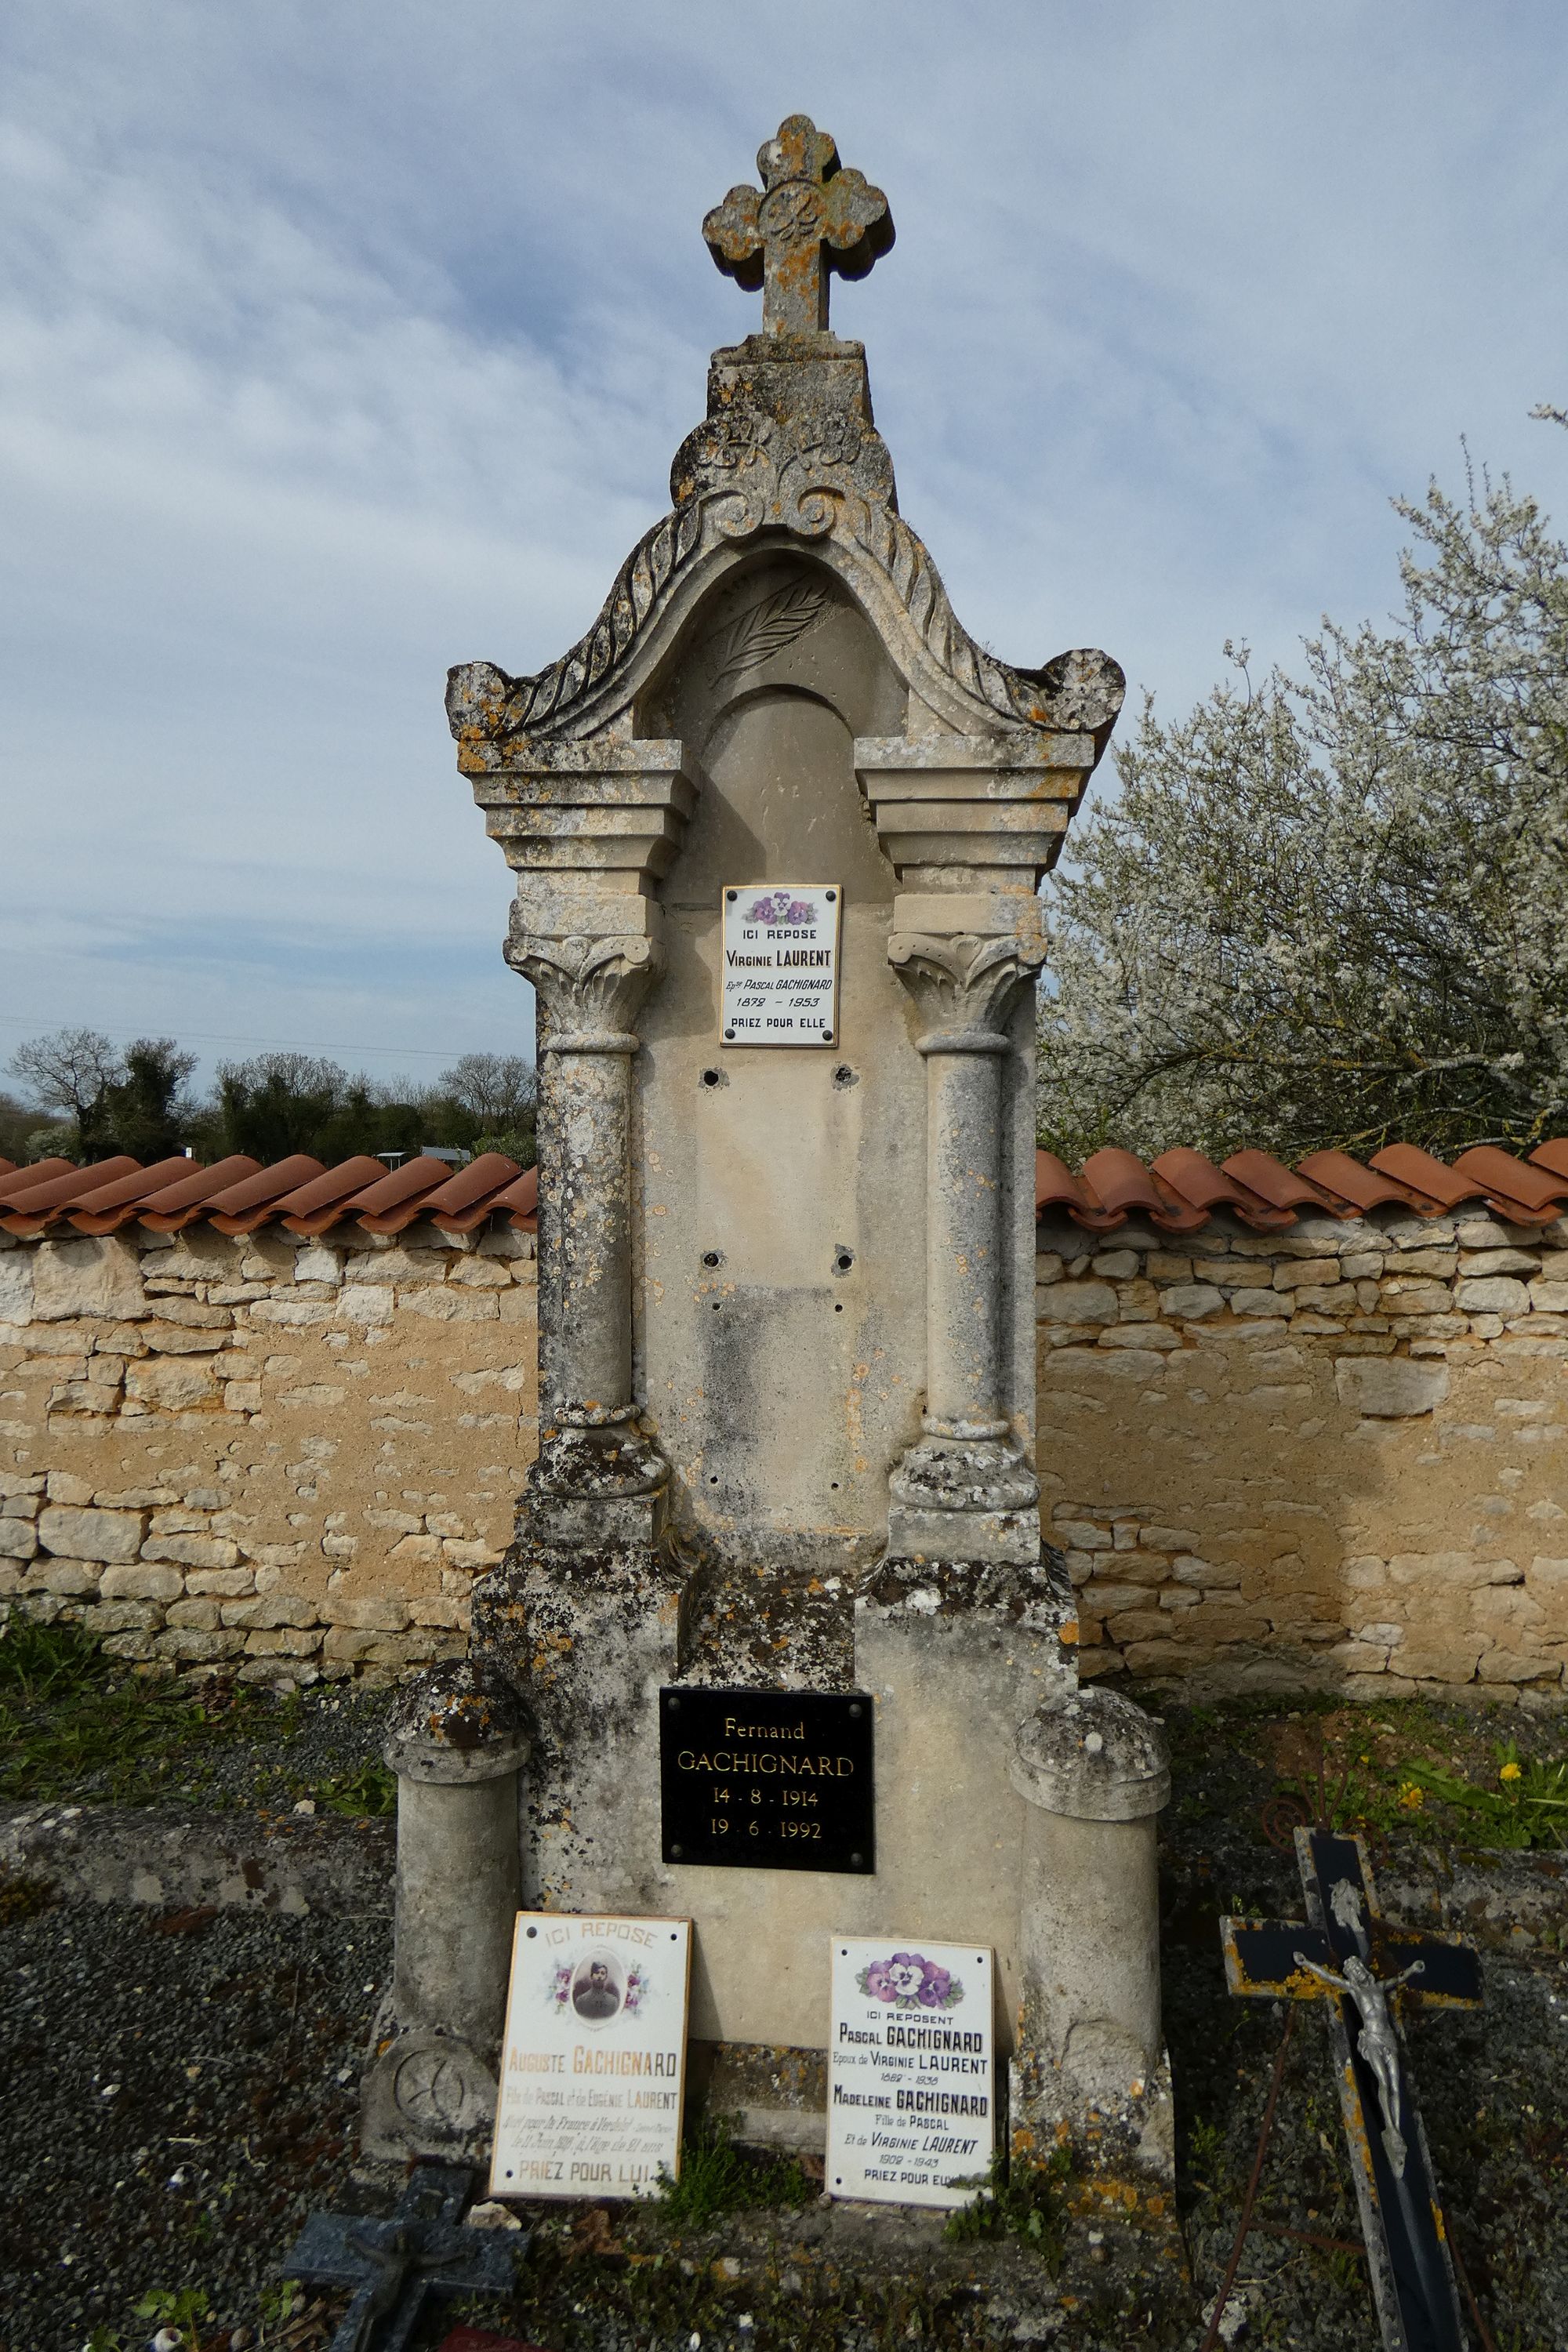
point(169, 1860)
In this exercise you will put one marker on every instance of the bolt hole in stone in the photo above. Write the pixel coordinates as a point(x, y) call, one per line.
point(845, 1077)
point(713, 1257)
point(843, 1260)
point(712, 1477)
point(716, 1078)
point(838, 1306)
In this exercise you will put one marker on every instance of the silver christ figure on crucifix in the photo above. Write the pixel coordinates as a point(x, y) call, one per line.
point(809, 217)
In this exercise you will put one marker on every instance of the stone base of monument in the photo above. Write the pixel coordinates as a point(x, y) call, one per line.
point(1118, 2126)
point(426, 2093)
point(772, 2096)
point(457, 1741)
point(1091, 2070)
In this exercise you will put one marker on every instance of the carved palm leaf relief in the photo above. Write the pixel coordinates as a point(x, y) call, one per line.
point(767, 628)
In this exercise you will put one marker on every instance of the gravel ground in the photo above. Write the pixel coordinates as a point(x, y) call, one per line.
point(178, 2092)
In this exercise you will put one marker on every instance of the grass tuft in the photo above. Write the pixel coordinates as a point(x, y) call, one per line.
point(1020, 2199)
point(717, 2177)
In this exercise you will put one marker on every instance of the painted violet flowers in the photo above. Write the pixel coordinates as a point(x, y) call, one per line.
point(908, 1980)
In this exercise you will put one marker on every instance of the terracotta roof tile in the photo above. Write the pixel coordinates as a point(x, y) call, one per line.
point(1202, 1185)
point(1337, 1172)
point(169, 1196)
point(178, 1204)
point(1056, 1187)
point(239, 1208)
point(326, 1192)
point(27, 1180)
point(391, 1204)
point(30, 1207)
point(1281, 1187)
point(453, 1194)
point(521, 1201)
point(471, 1195)
point(1122, 1182)
point(1465, 1182)
point(1179, 1192)
point(1540, 1191)
point(1552, 1156)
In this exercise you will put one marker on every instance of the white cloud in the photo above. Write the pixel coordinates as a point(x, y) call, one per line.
point(338, 344)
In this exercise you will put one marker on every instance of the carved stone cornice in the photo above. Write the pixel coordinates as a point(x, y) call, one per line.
point(963, 985)
point(590, 990)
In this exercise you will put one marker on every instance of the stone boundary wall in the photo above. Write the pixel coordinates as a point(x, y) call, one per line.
point(278, 1458)
point(1335, 1457)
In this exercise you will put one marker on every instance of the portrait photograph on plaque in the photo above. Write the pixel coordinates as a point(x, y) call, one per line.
point(911, 2093)
point(781, 963)
point(758, 1780)
point(594, 2060)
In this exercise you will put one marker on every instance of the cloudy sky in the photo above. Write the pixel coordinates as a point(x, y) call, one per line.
point(342, 340)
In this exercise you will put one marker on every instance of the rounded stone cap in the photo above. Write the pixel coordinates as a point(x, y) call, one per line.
point(1096, 1758)
point(457, 1721)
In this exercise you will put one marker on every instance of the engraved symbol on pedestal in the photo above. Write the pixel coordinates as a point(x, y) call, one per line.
point(809, 217)
point(435, 2091)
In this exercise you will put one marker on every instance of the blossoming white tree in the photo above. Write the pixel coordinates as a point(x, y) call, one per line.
point(1334, 910)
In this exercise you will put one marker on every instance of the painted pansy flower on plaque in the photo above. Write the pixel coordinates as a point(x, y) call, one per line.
point(911, 2067)
point(908, 1980)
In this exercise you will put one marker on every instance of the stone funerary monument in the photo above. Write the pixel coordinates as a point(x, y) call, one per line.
point(777, 824)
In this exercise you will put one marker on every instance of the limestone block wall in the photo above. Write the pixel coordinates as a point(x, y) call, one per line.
point(284, 1459)
point(1334, 1457)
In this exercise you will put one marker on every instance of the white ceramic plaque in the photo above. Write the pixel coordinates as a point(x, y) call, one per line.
point(781, 964)
point(911, 2094)
point(595, 2058)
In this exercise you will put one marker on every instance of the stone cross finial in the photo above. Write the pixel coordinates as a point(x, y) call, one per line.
point(809, 217)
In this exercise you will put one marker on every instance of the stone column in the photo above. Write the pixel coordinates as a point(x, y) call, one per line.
point(591, 1454)
point(1091, 2062)
point(964, 1492)
point(457, 1743)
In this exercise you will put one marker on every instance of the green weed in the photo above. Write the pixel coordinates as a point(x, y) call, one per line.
point(47, 1662)
point(716, 2177)
point(369, 1793)
point(1527, 1806)
point(1020, 2201)
point(183, 2309)
point(72, 1723)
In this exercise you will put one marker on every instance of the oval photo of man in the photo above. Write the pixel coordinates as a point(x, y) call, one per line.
point(598, 1988)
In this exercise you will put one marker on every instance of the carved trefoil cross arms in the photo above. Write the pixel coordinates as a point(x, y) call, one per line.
point(810, 217)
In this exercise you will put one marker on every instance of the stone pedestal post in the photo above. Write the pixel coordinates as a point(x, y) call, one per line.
point(458, 1744)
point(1090, 2064)
point(965, 1491)
point(590, 1453)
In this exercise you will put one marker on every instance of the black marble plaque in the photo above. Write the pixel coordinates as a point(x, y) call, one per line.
point(764, 1780)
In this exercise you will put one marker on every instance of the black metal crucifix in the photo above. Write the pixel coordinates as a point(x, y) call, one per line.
point(809, 217)
point(1350, 1956)
point(421, 2250)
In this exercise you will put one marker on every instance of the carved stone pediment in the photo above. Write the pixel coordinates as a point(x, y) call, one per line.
point(788, 453)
